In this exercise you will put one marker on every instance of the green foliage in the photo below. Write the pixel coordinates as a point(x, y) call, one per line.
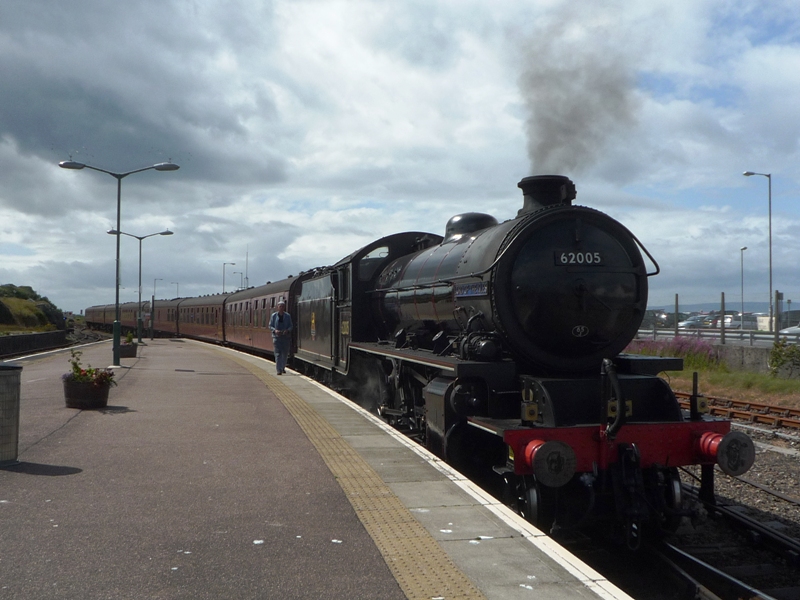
point(51, 313)
point(25, 292)
point(696, 353)
point(6, 316)
point(22, 308)
point(129, 338)
point(26, 313)
point(784, 358)
point(727, 384)
point(701, 357)
point(88, 374)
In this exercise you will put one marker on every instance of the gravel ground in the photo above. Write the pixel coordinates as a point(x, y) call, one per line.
point(777, 466)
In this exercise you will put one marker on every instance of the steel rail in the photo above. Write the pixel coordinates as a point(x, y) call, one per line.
point(764, 414)
point(780, 542)
point(770, 491)
point(708, 582)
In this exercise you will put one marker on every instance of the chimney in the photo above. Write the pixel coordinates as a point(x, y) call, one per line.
point(540, 191)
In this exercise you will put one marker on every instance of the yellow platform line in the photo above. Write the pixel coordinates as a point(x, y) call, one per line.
point(421, 567)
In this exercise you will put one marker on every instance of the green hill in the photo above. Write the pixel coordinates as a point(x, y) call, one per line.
point(22, 309)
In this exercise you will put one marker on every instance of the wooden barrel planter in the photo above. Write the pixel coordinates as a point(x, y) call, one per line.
point(127, 350)
point(85, 395)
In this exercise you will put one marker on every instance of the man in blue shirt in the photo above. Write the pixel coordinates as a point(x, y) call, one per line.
point(280, 323)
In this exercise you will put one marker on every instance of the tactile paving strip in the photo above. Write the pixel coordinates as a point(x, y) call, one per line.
point(421, 567)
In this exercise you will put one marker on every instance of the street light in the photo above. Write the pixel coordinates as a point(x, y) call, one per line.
point(153, 308)
point(769, 179)
point(140, 238)
point(741, 256)
point(71, 164)
point(177, 293)
point(241, 278)
point(223, 274)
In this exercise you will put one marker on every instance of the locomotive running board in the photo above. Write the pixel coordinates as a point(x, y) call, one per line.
point(500, 373)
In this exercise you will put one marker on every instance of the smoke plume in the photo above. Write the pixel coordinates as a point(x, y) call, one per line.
point(579, 91)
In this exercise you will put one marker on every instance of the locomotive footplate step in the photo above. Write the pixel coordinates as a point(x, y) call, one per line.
point(207, 476)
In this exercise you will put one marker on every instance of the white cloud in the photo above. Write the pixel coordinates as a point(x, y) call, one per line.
point(305, 129)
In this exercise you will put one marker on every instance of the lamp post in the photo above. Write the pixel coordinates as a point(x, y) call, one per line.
point(769, 179)
point(71, 164)
point(223, 274)
point(241, 278)
point(140, 238)
point(153, 308)
point(177, 293)
point(741, 256)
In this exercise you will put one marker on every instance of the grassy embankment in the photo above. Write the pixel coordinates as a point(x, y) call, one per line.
point(22, 310)
point(715, 379)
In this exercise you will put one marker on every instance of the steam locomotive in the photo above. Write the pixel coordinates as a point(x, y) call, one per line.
point(499, 346)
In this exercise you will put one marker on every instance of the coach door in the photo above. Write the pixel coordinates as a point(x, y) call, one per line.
point(343, 313)
point(315, 321)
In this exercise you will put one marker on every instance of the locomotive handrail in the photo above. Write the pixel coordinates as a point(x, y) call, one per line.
point(650, 256)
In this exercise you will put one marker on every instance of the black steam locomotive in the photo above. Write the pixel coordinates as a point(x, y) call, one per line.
point(498, 346)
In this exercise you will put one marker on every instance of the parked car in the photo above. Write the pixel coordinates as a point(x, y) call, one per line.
point(693, 322)
point(750, 322)
point(713, 320)
point(654, 318)
point(672, 318)
point(795, 330)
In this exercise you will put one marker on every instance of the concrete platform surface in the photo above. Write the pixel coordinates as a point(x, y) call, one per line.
point(208, 476)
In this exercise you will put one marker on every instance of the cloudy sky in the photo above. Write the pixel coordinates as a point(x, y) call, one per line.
point(306, 128)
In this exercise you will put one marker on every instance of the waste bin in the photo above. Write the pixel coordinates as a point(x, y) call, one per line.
point(9, 413)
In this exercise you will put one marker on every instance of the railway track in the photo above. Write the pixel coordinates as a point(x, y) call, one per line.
point(704, 581)
point(744, 545)
point(732, 549)
point(739, 551)
point(751, 412)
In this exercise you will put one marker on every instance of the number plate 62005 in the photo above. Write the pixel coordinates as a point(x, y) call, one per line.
point(569, 257)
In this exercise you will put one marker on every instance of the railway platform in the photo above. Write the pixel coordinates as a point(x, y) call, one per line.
point(208, 476)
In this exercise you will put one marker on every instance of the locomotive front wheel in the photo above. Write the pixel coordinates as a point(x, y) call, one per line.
point(537, 503)
point(674, 499)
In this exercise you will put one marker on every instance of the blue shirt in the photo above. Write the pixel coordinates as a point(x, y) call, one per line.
point(276, 323)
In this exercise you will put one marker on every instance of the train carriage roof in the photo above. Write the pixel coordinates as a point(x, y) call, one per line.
point(210, 300)
point(268, 289)
point(161, 304)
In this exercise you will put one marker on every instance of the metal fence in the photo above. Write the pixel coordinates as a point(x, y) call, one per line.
point(716, 336)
